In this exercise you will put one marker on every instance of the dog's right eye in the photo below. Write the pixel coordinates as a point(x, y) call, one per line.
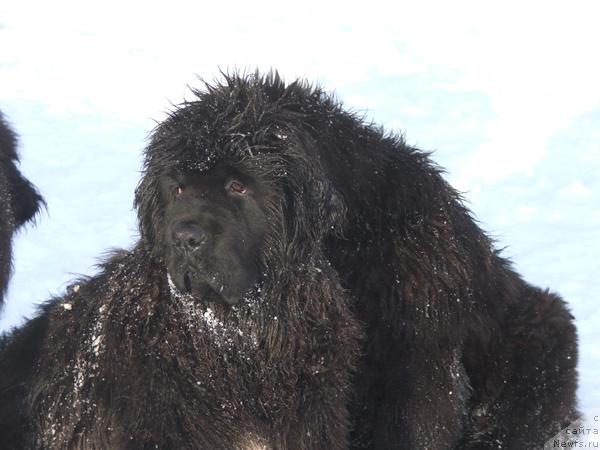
point(178, 190)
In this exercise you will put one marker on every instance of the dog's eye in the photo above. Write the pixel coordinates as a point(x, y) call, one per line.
point(237, 187)
point(178, 190)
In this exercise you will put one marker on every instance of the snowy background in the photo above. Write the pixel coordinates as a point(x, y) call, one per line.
point(507, 96)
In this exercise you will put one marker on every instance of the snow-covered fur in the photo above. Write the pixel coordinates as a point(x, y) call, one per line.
point(19, 200)
point(459, 351)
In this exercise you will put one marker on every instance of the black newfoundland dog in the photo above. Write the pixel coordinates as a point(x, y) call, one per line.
point(19, 200)
point(302, 281)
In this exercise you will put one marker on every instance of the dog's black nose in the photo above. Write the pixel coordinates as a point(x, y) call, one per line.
point(188, 235)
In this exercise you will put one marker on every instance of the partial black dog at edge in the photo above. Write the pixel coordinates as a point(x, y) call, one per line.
point(19, 200)
point(302, 280)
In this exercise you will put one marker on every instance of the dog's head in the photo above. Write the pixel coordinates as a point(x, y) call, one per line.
point(234, 188)
point(21, 201)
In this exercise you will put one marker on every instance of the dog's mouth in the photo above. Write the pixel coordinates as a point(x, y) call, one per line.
point(198, 286)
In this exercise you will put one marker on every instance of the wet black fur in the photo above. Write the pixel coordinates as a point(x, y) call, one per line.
point(121, 361)
point(19, 200)
point(460, 352)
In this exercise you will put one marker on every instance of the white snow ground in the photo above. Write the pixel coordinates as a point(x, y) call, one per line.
point(508, 98)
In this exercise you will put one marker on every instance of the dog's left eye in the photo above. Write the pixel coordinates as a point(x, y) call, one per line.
point(237, 187)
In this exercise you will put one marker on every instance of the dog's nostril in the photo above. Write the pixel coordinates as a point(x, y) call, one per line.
point(189, 235)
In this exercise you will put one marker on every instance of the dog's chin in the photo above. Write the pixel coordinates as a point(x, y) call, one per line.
point(198, 288)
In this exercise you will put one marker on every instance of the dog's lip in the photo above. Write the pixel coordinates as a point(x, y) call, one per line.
point(177, 281)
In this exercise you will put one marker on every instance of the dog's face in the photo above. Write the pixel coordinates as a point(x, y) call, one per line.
point(214, 230)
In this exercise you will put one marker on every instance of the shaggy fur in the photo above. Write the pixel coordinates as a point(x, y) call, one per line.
point(460, 352)
point(19, 200)
point(125, 360)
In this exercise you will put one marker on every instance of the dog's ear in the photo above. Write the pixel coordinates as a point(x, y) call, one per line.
point(315, 209)
point(149, 206)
